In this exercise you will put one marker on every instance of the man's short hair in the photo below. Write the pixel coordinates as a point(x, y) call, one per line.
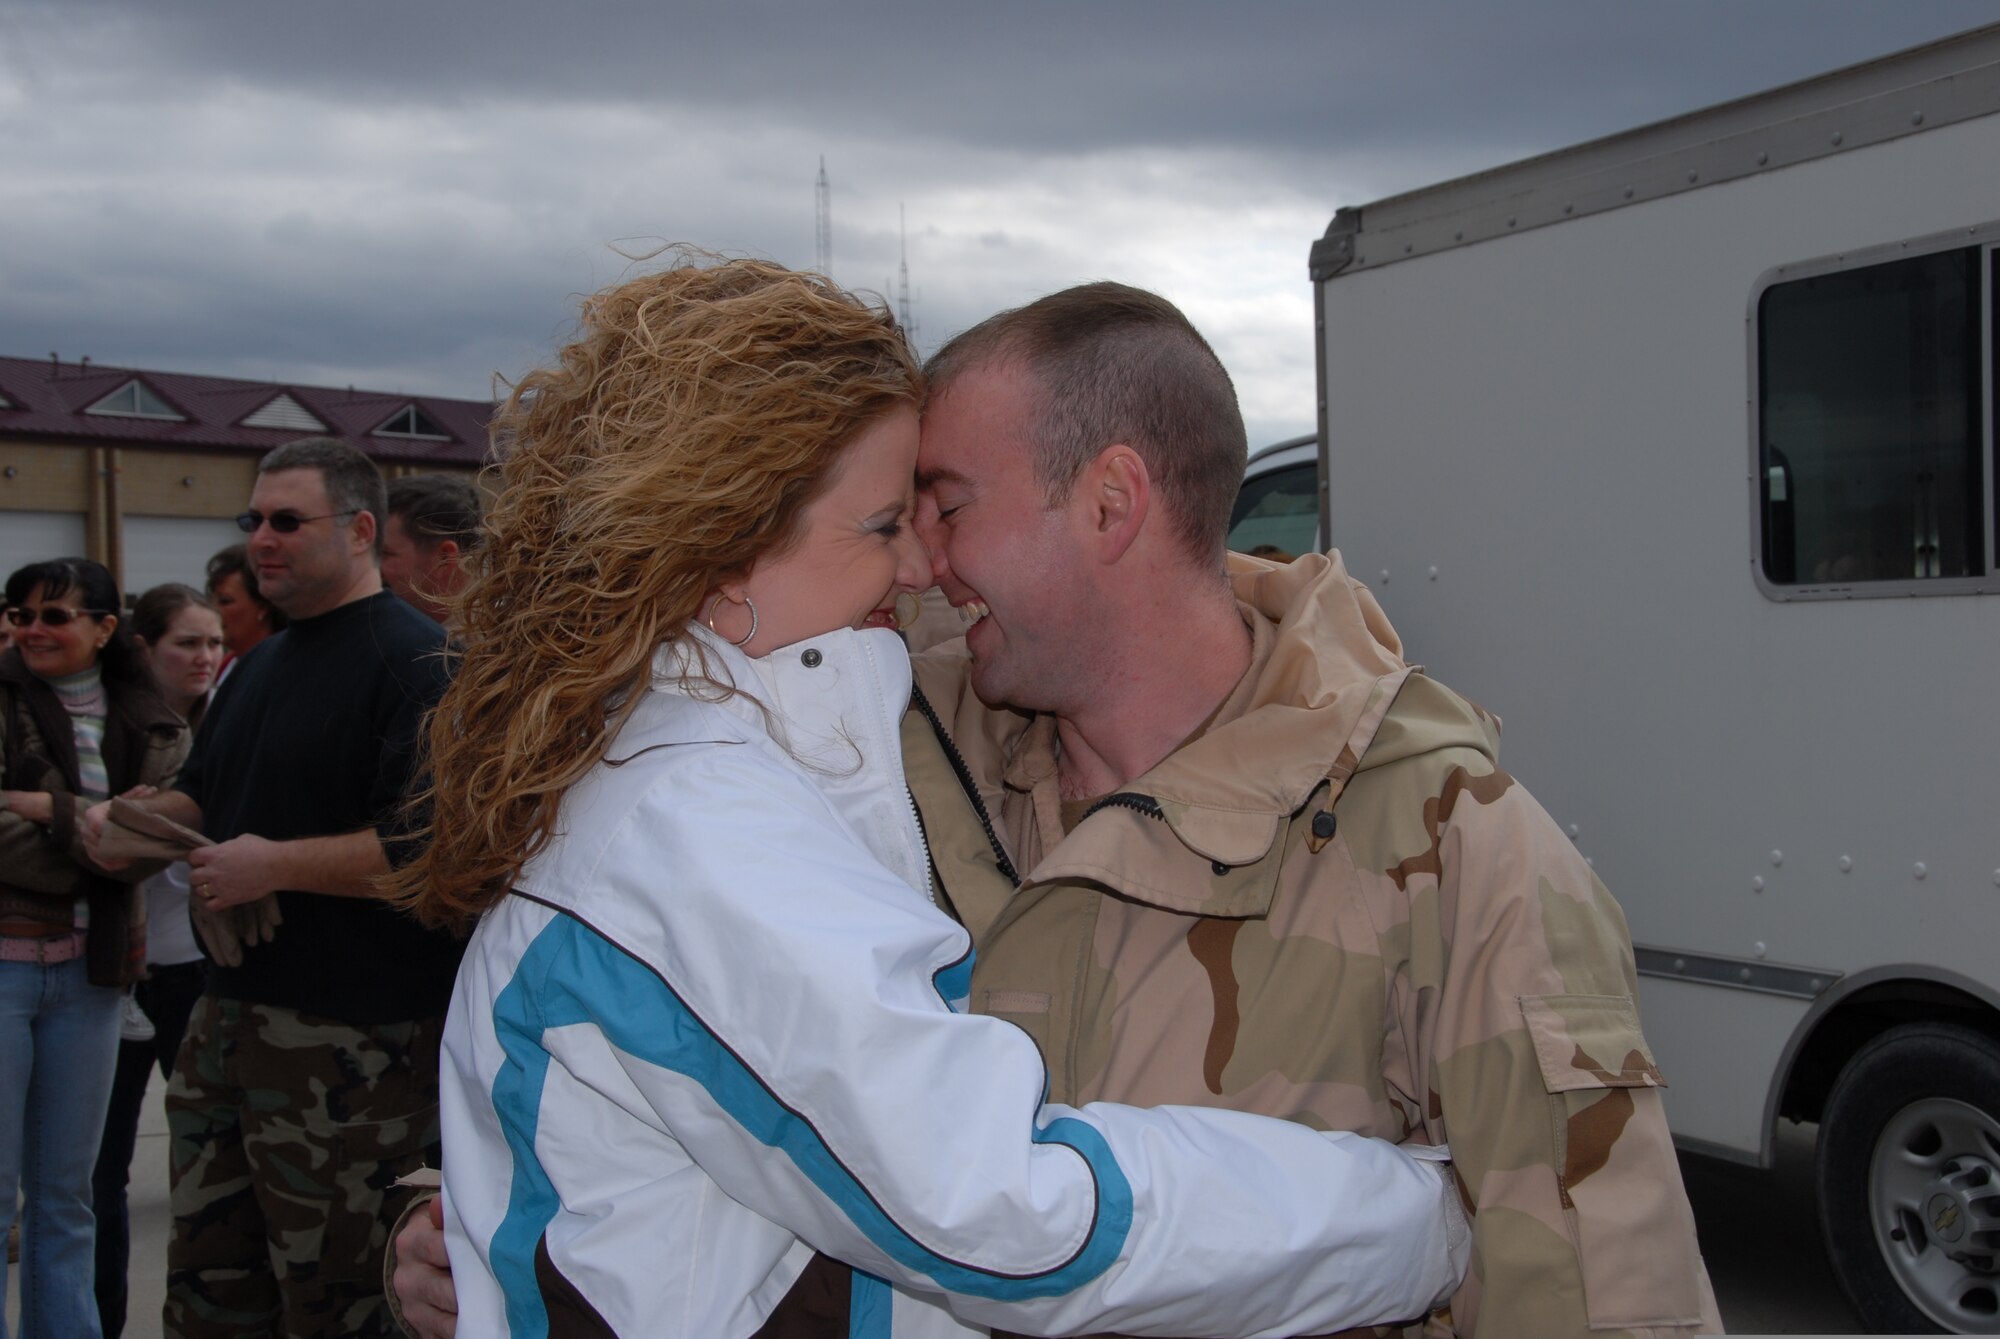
point(234, 561)
point(1112, 363)
point(353, 483)
point(436, 507)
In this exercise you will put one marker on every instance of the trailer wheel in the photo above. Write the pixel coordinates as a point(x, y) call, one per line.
point(1909, 1180)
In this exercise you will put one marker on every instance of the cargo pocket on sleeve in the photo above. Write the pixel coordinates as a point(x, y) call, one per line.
point(1621, 1189)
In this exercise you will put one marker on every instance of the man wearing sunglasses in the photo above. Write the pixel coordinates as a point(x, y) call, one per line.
point(309, 1079)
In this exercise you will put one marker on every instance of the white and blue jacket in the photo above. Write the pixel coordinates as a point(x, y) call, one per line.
point(714, 1030)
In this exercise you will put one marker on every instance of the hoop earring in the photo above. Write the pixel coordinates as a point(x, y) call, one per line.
point(710, 620)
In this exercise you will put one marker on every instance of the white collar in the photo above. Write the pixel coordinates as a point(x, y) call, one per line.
point(845, 668)
point(834, 703)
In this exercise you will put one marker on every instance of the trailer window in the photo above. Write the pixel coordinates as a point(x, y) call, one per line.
point(1872, 426)
point(1279, 510)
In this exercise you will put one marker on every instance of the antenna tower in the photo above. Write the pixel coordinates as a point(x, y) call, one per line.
point(823, 222)
point(903, 278)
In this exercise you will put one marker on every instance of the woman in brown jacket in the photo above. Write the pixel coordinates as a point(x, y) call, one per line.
point(80, 720)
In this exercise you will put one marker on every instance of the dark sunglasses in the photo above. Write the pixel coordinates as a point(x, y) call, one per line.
point(284, 522)
point(52, 616)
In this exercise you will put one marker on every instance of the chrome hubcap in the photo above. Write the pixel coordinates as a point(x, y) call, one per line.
point(1934, 1199)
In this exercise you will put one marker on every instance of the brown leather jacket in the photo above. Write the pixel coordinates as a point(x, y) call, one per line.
point(43, 870)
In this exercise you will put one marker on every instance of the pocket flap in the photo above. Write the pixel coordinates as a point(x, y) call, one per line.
point(1589, 1041)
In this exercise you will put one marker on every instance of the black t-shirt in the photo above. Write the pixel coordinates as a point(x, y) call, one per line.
point(312, 736)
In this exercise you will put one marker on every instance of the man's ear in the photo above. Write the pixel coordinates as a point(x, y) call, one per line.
point(447, 552)
point(1117, 494)
point(364, 531)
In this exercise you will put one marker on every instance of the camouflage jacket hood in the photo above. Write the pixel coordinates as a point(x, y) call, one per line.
point(1326, 666)
point(1313, 709)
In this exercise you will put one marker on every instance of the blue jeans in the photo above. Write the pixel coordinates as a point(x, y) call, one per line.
point(58, 1048)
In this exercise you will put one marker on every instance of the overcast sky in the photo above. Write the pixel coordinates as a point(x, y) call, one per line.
point(410, 194)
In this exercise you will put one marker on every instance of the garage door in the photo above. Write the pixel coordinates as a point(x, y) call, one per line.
point(173, 548)
point(35, 536)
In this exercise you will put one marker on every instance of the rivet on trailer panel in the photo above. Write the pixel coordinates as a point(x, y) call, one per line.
point(1759, 949)
point(1846, 864)
point(1777, 857)
point(1921, 869)
point(1757, 884)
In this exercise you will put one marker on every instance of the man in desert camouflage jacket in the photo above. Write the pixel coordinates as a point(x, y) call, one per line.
point(1222, 846)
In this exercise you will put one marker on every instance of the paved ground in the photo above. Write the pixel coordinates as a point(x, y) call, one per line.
point(1760, 1236)
point(1759, 1232)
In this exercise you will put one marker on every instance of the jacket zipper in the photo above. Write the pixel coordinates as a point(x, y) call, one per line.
point(1128, 799)
point(924, 840)
point(965, 783)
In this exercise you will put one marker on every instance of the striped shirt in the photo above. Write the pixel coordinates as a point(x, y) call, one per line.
point(82, 696)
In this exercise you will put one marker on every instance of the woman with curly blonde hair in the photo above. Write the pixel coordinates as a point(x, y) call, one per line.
point(704, 1026)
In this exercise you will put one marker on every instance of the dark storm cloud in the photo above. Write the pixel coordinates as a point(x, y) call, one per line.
point(1048, 75)
point(410, 195)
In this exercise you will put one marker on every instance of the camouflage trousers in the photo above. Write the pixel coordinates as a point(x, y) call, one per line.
point(287, 1132)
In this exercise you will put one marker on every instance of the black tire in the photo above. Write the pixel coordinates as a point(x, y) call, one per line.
point(1919, 1102)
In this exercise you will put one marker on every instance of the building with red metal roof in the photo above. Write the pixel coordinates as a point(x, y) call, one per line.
point(142, 470)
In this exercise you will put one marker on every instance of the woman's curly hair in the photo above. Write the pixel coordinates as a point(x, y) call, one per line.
point(678, 438)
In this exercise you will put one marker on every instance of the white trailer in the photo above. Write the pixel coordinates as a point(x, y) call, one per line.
point(1676, 450)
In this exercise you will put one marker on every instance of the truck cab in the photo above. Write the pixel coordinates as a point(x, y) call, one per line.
point(1279, 505)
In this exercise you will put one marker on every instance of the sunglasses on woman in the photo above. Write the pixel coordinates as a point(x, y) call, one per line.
point(284, 522)
point(52, 616)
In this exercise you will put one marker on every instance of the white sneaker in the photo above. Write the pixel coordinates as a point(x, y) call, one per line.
point(133, 1025)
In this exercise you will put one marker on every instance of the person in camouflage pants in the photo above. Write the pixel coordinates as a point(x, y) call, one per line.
point(308, 1078)
point(1217, 843)
point(267, 1224)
